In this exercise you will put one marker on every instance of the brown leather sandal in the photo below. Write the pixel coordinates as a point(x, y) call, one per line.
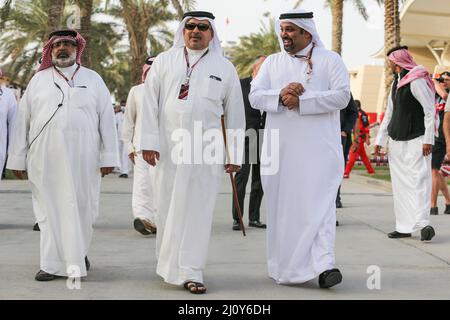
point(195, 287)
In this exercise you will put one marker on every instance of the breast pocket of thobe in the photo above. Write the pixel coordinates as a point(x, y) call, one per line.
point(212, 94)
point(83, 116)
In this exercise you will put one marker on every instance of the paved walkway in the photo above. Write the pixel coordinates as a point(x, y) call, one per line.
point(123, 262)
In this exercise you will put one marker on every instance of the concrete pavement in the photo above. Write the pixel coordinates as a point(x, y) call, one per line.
point(123, 262)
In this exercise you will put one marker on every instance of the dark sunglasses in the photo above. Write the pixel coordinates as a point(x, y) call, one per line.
point(200, 26)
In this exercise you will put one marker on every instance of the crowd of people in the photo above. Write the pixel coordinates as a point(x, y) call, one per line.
point(66, 136)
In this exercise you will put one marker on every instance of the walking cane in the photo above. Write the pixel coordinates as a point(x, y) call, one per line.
point(233, 182)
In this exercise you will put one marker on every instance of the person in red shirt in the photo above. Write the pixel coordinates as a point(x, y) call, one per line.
point(362, 135)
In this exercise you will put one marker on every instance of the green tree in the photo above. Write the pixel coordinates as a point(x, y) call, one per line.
point(264, 42)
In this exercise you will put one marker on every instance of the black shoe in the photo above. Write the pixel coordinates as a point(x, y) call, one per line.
point(434, 211)
point(337, 223)
point(88, 264)
point(257, 224)
point(123, 175)
point(236, 225)
point(427, 233)
point(447, 209)
point(330, 278)
point(140, 227)
point(44, 276)
point(36, 227)
point(339, 204)
point(396, 235)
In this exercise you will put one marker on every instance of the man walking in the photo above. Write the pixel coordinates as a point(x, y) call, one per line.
point(302, 89)
point(65, 138)
point(187, 91)
point(410, 124)
point(254, 123)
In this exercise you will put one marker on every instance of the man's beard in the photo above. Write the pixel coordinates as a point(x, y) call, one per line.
point(63, 60)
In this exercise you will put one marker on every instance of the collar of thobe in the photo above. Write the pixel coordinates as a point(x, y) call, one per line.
point(305, 55)
point(192, 58)
point(194, 55)
point(68, 73)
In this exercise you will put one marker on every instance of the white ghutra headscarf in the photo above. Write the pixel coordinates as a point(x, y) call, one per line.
point(301, 18)
point(214, 45)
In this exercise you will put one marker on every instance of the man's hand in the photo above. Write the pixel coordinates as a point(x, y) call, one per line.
point(132, 156)
point(355, 146)
point(293, 88)
point(290, 101)
point(368, 141)
point(377, 150)
point(426, 148)
point(19, 174)
point(150, 156)
point(229, 168)
point(106, 170)
point(343, 133)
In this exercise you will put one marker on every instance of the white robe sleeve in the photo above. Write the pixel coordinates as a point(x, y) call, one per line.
point(109, 151)
point(149, 135)
point(235, 120)
point(12, 109)
point(18, 149)
point(425, 96)
point(129, 122)
point(336, 98)
point(447, 105)
point(383, 131)
point(261, 96)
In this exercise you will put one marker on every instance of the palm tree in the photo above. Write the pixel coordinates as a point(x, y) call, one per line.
point(22, 36)
point(391, 36)
point(86, 8)
point(265, 42)
point(182, 6)
point(140, 17)
point(55, 15)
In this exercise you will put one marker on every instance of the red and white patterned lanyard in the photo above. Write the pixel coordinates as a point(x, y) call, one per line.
point(189, 68)
point(65, 78)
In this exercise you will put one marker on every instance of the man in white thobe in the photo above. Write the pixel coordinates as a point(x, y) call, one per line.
point(143, 201)
point(64, 137)
point(8, 106)
point(187, 90)
point(302, 89)
point(409, 122)
point(123, 155)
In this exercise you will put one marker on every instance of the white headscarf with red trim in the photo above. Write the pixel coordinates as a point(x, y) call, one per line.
point(47, 50)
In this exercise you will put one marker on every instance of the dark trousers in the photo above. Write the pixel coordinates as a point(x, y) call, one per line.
point(256, 193)
point(346, 144)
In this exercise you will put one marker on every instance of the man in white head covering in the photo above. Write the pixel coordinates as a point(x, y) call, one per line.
point(8, 106)
point(143, 202)
point(302, 90)
point(187, 90)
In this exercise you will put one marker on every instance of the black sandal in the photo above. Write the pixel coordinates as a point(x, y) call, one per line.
point(195, 287)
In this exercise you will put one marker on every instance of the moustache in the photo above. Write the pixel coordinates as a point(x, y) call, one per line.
point(62, 55)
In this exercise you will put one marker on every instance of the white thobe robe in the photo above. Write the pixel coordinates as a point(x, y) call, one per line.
point(8, 106)
point(186, 193)
point(410, 170)
point(143, 201)
point(301, 193)
point(64, 162)
point(123, 155)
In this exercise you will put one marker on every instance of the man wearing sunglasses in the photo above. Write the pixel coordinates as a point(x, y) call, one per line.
point(189, 86)
point(64, 136)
